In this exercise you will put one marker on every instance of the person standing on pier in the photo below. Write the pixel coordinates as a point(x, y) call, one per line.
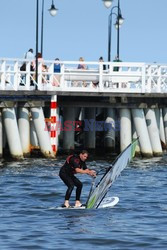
point(30, 54)
point(74, 164)
point(101, 60)
point(82, 65)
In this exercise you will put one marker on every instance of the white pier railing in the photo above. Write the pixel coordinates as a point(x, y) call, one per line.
point(121, 77)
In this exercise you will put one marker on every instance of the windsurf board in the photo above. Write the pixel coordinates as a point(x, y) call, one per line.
point(107, 202)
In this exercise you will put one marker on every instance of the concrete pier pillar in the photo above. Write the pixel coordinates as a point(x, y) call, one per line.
point(60, 128)
point(160, 124)
point(1, 136)
point(90, 128)
point(42, 132)
point(162, 131)
point(4, 137)
point(134, 136)
point(77, 113)
point(109, 130)
point(68, 128)
point(153, 132)
point(99, 112)
point(12, 133)
point(24, 130)
point(157, 116)
point(125, 128)
point(33, 136)
point(164, 112)
point(142, 132)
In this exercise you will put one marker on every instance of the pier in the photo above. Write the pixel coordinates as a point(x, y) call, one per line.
point(87, 108)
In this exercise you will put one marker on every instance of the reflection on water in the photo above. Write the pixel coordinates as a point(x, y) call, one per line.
point(31, 190)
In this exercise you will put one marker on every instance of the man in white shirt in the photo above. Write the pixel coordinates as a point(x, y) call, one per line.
point(29, 55)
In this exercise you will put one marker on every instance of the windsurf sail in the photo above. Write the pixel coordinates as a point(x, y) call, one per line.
point(99, 192)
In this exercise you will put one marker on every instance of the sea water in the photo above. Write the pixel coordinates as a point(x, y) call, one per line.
point(31, 190)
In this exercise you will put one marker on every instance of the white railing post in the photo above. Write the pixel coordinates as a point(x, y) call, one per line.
point(143, 85)
point(51, 76)
point(100, 76)
point(159, 80)
point(62, 82)
point(16, 76)
point(3, 74)
point(28, 75)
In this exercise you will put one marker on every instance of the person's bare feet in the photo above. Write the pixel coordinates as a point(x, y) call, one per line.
point(66, 204)
point(78, 204)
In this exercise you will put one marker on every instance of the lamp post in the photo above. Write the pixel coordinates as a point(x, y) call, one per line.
point(52, 12)
point(119, 22)
point(110, 32)
point(42, 21)
point(36, 58)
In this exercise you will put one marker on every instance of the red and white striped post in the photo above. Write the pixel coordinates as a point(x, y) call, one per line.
point(53, 132)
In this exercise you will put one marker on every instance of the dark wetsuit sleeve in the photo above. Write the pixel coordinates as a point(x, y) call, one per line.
point(75, 162)
point(84, 166)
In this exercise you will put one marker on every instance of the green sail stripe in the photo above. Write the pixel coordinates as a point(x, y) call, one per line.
point(91, 202)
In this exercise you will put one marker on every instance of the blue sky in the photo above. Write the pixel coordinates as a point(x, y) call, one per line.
point(80, 28)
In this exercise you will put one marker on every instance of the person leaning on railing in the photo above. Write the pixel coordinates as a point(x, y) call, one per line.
point(101, 60)
point(44, 67)
point(82, 66)
point(30, 56)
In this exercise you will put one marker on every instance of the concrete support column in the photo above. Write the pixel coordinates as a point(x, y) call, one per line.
point(77, 113)
point(1, 136)
point(12, 133)
point(125, 128)
point(24, 130)
point(165, 122)
point(157, 116)
point(162, 131)
point(4, 137)
point(134, 136)
point(42, 132)
point(33, 136)
point(153, 132)
point(90, 128)
point(109, 130)
point(142, 132)
point(68, 128)
point(160, 124)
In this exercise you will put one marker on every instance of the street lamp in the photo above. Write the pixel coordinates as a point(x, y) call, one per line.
point(107, 3)
point(53, 12)
point(119, 22)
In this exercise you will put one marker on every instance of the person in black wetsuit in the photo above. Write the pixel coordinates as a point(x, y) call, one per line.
point(74, 164)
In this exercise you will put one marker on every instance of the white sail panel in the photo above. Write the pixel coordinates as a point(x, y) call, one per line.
point(110, 176)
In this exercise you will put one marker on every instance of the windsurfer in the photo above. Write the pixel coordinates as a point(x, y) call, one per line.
point(74, 164)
